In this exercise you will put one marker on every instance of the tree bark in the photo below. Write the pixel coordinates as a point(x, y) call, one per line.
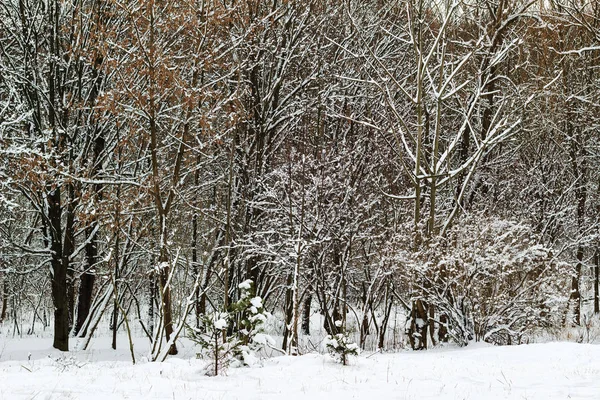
point(59, 273)
point(195, 269)
point(418, 325)
point(86, 286)
point(386, 317)
point(88, 277)
point(68, 248)
point(4, 294)
point(306, 314)
point(578, 160)
point(597, 283)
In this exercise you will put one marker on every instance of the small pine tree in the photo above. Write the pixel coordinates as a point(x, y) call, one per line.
point(251, 316)
point(340, 346)
point(214, 344)
point(239, 349)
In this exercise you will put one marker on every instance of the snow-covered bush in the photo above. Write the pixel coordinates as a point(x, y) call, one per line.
point(250, 311)
point(341, 346)
point(251, 317)
point(486, 279)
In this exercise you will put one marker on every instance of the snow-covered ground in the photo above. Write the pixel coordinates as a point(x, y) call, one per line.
point(539, 371)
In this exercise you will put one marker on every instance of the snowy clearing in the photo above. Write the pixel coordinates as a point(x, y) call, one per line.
point(539, 371)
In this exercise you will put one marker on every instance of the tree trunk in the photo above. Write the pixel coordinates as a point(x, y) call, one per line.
point(330, 318)
point(288, 311)
point(306, 314)
point(84, 302)
point(151, 299)
point(165, 285)
point(597, 283)
point(86, 286)
point(195, 269)
point(432, 324)
point(115, 316)
point(167, 306)
point(580, 167)
point(443, 332)
point(59, 266)
point(68, 248)
point(386, 317)
point(4, 294)
point(575, 297)
point(418, 325)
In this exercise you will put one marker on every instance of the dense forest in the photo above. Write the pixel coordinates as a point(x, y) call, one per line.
point(357, 159)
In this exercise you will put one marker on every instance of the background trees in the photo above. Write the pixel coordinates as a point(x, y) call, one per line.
point(367, 161)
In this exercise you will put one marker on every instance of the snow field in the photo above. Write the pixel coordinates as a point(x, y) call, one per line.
point(479, 372)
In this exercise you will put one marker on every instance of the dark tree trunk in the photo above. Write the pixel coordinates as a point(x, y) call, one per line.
point(4, 294)
point(163, 277)
point(306, 314)
point(86, 286)
point(575, 297)
point(386, 318)
point(364, 331)
point(59, 273)
point(443, 333)
point(151, 299)
point(417, 333)
point(330, 319)
point(68, 248)
point(579, 165)
point(289, 309)
point(253, 272)
point(432, 324)
point(597, 283)
point(195, 269)
point(202, 304)
point(116, 272)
